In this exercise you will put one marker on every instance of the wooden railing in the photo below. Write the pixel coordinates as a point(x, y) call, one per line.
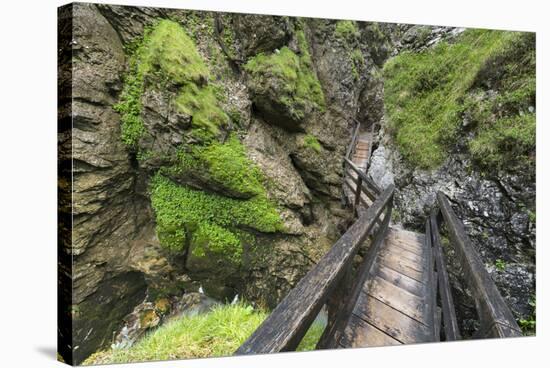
point(496, 319)
point(329, 282)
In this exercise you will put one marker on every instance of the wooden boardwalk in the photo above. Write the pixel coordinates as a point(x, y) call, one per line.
point(394, 305)
point(399, 294)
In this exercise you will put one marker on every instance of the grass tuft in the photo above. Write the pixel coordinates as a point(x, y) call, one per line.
point(310, 141)
point(217, 333)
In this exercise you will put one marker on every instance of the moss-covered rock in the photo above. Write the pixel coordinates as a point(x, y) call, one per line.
point(261, 33)
point(166, 59)
point(284, 85)
point(209, 226)
point(222, 167)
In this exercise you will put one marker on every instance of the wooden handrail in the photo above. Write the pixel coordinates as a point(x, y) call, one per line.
point(333, 333)
point(353, 139)
point(287, 324)
point(450, 322)
point(364, 177)
point(496, 318)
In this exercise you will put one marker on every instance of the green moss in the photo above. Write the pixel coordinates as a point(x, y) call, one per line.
point(425, 95)
point(357, 62)
point(211, 238)
point(167, 55)
point(224, 163)
point(529, 325)
point(294, 74)
point(202, 104)
point(185, 214)
point(311, 142)
point(346, 30)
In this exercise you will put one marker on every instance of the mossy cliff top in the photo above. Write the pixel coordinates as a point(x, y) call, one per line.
point(432, 98)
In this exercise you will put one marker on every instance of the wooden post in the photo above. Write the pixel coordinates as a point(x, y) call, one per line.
point(357, 194)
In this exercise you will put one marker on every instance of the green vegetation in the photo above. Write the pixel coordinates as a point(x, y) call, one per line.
point(310, 141)
point(357, 62)
point(500, 264)
point(312, 336)
point(346, 30)
point(428, 94)
point(217, 333)
point(532, 216)
point(167, 55)
point(529, 325)
point(224, 163)
point(300, 87)
point(210, 220)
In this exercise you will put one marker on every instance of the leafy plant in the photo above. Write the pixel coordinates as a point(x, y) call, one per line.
point(500, 264)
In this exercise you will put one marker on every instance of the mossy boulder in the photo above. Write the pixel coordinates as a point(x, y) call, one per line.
point(284, 86)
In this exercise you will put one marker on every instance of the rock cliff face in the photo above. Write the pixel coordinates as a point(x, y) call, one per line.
point(206, 152)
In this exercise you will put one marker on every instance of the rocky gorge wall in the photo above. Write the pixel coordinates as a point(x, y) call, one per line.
point(206, 152)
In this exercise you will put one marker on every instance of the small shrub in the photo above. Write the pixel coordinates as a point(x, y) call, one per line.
point(500, 265)
point(311, 142)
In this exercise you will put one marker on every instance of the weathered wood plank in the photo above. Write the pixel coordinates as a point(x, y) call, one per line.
point(402, 281)
point(286, 325)
point(407, 244)
point(403, 268)
point(401, 248)
point(391, 321)
point(402, 253)
point(491, 307)
point(360, 334)
point(393, 257)
point(431, 289)
point(397, 298)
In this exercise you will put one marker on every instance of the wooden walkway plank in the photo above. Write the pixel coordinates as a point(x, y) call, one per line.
point(400, 299)
point(402, 281)
point(360, 334)
point(391, 321)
